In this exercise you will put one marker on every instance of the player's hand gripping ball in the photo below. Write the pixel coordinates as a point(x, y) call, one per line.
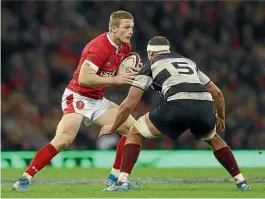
point(130, 63)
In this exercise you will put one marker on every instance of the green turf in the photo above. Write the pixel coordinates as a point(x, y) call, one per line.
point(202, 190)
point(76, 173)
point(148, 190)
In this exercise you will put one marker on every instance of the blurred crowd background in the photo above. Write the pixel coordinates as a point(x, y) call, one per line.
point(42, 42)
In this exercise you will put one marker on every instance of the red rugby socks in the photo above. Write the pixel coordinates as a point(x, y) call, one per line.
point(117, 162)
point(228, 161)
point(41, 159)
point(129, 157)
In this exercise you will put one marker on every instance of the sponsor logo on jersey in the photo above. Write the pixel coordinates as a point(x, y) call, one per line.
point(108, 73)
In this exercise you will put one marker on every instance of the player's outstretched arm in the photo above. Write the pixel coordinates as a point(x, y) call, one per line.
point(127, 106)
point(219, 103)
point(125, 109)
point(88, 77)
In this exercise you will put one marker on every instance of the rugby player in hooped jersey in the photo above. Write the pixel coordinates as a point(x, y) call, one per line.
point(83, 99)
point(192, 101)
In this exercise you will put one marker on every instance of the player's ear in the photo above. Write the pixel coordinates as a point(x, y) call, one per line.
point(149, 54)
point(114, 29)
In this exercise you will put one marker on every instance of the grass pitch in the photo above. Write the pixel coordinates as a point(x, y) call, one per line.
point(154, 183)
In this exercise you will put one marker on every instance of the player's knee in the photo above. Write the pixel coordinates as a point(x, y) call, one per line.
point(66, 131)
point(126, 126)
point(62, 141)
point(141, 127)
point(125, 129)
point(216, 143)
point(135, 137)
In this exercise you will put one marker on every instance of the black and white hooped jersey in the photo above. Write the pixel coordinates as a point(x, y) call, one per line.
point(174, 77)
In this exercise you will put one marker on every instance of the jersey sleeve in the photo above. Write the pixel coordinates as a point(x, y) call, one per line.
point(203, 78)
point(96, 57)
point(144, 78)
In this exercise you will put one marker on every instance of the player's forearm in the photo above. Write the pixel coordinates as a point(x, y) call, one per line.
point(96, 80)
point(219, 104)
point(122, 115)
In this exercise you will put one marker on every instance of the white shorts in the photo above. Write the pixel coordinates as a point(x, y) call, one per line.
point(90, 108)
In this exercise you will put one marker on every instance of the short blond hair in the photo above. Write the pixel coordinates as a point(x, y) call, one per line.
point(115, 18)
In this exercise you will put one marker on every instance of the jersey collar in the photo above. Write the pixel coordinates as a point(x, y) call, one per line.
point(112, 43)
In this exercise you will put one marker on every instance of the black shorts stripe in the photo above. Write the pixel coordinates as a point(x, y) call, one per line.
point(185, 87)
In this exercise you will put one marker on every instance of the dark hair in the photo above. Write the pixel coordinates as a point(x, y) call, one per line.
point(158, 40)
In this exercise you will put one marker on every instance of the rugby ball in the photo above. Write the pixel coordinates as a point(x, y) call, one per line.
point(130, 61)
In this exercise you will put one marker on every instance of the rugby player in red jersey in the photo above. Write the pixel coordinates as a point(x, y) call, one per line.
point(83, 99)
